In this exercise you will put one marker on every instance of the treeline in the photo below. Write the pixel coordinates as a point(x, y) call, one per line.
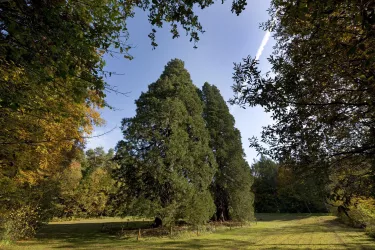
point(87, 186)
point(278, 189)
point(181, 159)
point(82, 189)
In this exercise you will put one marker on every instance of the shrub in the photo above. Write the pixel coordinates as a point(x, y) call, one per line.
point(21, 223)
point(361, 214)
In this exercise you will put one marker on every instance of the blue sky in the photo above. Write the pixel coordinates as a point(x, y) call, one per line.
point(228, 38)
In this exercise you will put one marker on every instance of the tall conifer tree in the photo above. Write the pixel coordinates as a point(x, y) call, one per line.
point(166, 164)
point(231, 187)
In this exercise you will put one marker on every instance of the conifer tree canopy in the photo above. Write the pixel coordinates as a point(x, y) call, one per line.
point(166, 164)
point(231, 187)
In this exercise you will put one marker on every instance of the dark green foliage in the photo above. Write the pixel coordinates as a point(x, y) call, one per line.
point(320, 93)
point(231, 186)
point(166, 164)
point(180, 14)
point(265, 185)
point(278, 189)
point(97, 158)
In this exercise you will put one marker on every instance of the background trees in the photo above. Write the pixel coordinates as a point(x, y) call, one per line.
point(166, 164)
point(265, 173)
point(87, 186)
point(278, 188)
point(231, 186)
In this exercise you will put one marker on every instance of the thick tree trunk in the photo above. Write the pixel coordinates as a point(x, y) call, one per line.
point(157, 223)
point(342, 209)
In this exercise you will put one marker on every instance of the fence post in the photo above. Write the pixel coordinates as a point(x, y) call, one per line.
point(139, 234)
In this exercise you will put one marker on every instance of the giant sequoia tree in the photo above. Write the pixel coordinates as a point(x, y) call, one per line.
point(231, 187)
point(321, 93)
point(166, 164)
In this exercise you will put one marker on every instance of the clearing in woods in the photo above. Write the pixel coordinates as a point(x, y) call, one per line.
point(272, 231)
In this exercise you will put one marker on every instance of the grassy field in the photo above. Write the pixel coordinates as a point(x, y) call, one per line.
point(272, 231)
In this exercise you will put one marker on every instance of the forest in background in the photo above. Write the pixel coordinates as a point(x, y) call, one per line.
point(320, 92)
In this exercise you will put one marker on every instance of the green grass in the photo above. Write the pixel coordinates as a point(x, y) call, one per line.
point(272, 231)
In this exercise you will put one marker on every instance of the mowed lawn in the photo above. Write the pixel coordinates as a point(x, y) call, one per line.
point(272, 231)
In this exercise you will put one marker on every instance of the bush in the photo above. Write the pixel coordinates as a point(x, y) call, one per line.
point(371, 229)
point(361, 213)
point(21, 223)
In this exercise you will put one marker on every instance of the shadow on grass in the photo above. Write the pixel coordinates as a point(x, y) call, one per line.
point(239, 244)
point(101, 235)
point(81, 234)
point(62, 230)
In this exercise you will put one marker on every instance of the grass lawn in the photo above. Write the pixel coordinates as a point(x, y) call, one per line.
point(272, 231)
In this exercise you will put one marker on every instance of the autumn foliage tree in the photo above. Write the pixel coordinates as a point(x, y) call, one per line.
point(86, 186)
point(37, 147)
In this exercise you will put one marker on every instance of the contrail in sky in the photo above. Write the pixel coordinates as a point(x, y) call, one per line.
point(265, 38)
point(263, 44)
